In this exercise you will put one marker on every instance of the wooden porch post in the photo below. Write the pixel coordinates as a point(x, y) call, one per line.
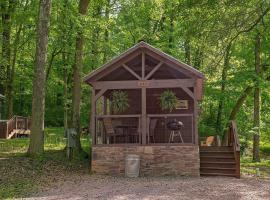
point(144, 117)
point(195, 118)
point(93, 117)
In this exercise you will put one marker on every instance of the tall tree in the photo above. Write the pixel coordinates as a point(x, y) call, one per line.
point(106, 31)
point(223, 90)
point(77, 77)
point(36, 145)
point(257, 101)
point(7, 7)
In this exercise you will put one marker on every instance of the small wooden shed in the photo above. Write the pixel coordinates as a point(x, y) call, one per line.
point(138, 78)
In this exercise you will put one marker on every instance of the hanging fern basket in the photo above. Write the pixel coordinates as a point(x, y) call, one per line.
point(119, 101)
point(168, 101)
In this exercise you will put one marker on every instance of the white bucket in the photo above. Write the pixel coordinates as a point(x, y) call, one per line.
point(132, 165)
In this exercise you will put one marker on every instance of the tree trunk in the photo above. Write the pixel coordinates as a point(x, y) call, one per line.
point(65, 96)
point(7, 9)
point(240, 102)
point(222, 90)
point(106, 32)
point(13, 63)
point(95, 37)
point(77, 70)
point(38, 101)
point(198, 58)
point(65, 59)
point(257, 102)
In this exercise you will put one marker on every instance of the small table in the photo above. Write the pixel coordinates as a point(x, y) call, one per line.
point(126, 128)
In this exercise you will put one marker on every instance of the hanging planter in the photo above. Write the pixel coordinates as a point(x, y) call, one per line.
point(168, 101)
point(119, 101)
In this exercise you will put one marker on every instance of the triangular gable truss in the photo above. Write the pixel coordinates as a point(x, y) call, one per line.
point(142, 48)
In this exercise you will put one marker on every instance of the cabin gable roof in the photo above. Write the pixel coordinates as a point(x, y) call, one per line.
point(131, 53)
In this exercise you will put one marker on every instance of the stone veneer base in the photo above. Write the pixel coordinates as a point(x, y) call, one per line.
point(158, 160)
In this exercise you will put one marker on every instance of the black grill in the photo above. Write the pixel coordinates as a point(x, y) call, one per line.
point(174, 125)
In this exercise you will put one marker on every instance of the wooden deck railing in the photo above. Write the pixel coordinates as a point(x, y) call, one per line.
point(233, 141)
point(161, 134)
point(16, 122)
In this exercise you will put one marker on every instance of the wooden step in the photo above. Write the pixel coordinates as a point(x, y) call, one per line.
point(17, 132)
point(217, 174)
point(216, 154)
point(217, 151)
point(215, 148)
point(217, 170)
point(217, 164)
point(217, 158)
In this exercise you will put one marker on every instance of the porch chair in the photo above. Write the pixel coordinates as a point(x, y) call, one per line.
point(209, 141)
point(152, 127)
point(109, 129)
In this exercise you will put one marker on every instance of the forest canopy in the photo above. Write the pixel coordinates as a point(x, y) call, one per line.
point(225, 39)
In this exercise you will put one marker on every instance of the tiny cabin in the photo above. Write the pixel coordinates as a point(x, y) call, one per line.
point(145, 102)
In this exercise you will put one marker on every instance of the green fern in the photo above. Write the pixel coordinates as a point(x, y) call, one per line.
point(119, 101)
point(168, 101)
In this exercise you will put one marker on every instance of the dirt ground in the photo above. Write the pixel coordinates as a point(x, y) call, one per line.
point(120, 188)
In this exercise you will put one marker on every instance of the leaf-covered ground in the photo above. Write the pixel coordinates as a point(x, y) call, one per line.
point(22, 175)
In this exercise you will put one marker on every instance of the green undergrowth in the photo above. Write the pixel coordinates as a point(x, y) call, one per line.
point(22, 176)
point(248, 167)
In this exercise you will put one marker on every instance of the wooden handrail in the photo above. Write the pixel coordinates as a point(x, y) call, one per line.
point(233, 140)
point(16, 122)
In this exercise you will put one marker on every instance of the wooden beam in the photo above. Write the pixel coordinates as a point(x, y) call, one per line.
point(144, 117)
point(132, 72)
point(108, 69)
point(117, 116)
point(174, 63)
point(171, 64)
point(93, 117)
point(165, 83)
point(153, 70)
point(101, 92)
point(195, 119)
point(188, 91)
point(171, 115)
point(143, 65)
point(199, 85)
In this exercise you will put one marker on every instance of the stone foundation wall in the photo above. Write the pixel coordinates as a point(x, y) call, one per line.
point(155, 160)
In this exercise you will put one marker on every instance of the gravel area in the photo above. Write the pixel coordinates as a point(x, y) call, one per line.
point(163, 188)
